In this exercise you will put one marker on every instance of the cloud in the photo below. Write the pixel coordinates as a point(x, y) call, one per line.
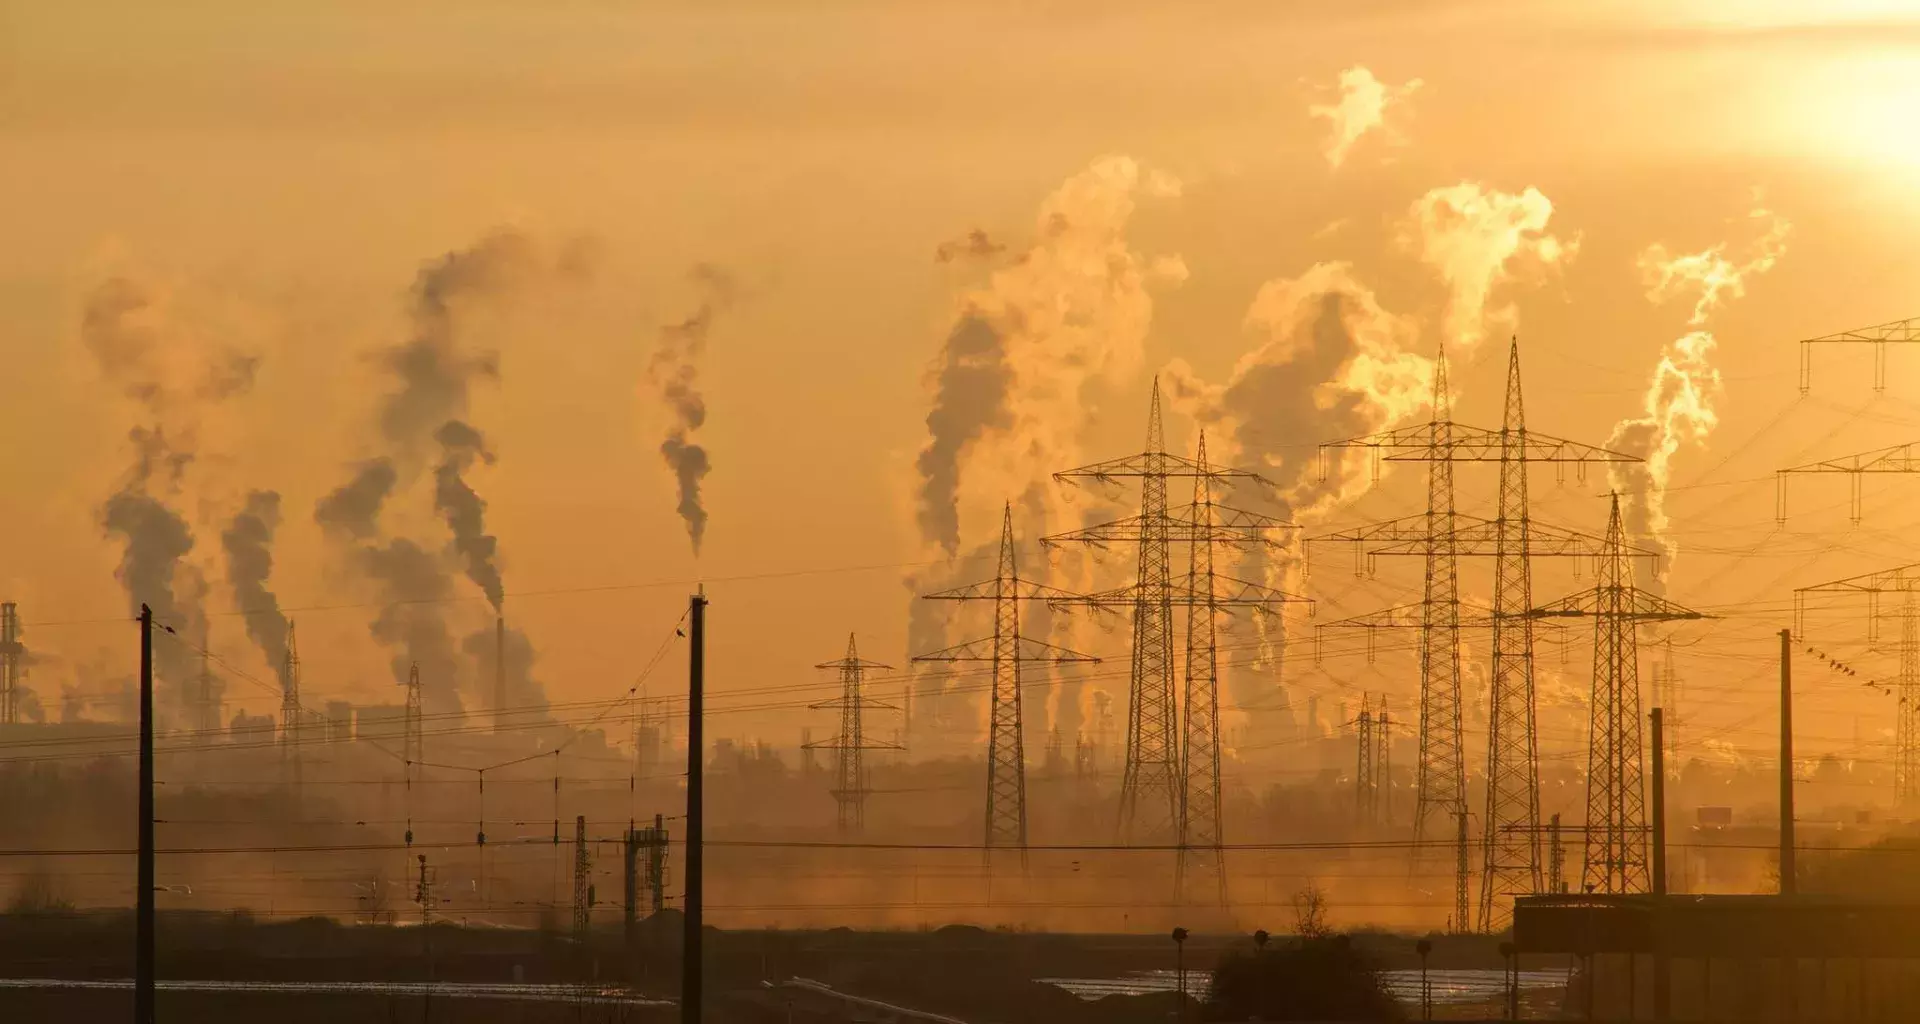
point(1360, 108)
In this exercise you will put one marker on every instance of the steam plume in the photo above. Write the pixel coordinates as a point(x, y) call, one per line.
point(1010, 386)
point(675, 371)
point(464, 511)
point(248, 541)
point(1361, 108)
point(414, 587)
point(1477, 238)
point(1679, 404)
point(523, 690)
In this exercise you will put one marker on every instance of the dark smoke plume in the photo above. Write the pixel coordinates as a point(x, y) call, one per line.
point(675, 371)
point(970, 398)
point(523, 690)
point(154, 540)
point(435, 375)
point(463, 510)
point(248, 540)
point(353, 509)
point(414, 588)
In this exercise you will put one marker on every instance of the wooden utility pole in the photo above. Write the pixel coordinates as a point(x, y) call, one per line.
point(1787, 881)
point(144, 883)
point(690, 963)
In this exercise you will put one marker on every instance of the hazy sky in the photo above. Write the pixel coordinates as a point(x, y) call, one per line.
point(280, 173)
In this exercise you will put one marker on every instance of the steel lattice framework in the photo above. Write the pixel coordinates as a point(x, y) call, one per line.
point(849, 744)
point(1900, 458)
point(1511, 850)
point(291, 714)
point(12, 663)
point(1616, 832)
point(1905, 581)
point(1151, 788)
point(1006, 651)
point(1897, 332)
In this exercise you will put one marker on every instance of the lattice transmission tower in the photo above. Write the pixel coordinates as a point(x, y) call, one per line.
point(582, 881)
point(1511, 859)
point(1905, 581)
point(13, 658)
point(1153, 785)
point(1006, 650)
point(1897, 459)
point(291, 714)
point(850, 788)
point(1616, 832)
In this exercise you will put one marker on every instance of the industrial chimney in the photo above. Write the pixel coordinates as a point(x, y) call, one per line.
point(499, 673)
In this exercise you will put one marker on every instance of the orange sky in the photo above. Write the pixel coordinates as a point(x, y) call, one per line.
point(284, 170)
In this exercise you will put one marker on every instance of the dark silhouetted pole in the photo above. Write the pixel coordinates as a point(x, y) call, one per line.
point(690, 965)
point(1788, 881)
point(1425, 947)
point(1661, 979)
point(1180, 970)
point(1786, 763)
point(143, 898)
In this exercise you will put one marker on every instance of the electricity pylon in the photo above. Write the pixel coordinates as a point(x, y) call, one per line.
point(1616, 831)
point(1905, 581)
point(1366, 788)
point(1900, 458)
point(849, 770)
point(290, 713)
point(582, 882)
point(1898, 332)
point(12, 663)
point(411, 745)
point(1511, 851)
point(1006, 650)
point(1151, 784)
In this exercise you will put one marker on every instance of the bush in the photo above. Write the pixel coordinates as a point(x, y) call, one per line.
point(1320, 977)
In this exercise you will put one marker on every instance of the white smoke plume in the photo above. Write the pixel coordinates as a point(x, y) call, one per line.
point(1361, 108)
point(1331, 362)
point(675, 372)
point(1477, 238)
point(1010, 384)
point(1680, 403)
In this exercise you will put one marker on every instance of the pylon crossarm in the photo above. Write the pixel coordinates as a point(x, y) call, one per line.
point(1632, 603)
point(1477, 444)
point(1476, 537)
point(1899, 458)
point(1896, 331)
point(1027, 650)
point(1239, 528)
point(1901, 579)
point(1407, 616)
point(1164, 464)
point(988, 590)
point(846, 663)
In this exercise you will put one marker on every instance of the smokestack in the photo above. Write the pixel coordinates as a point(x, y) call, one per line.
point(499, 672)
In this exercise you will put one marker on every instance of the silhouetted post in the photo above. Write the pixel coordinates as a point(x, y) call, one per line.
point(1786, 763)
point(1180, 970)
point(144, 883)
point(1424, 947)
point(1661, 979)
point(1788, 883)
point(690, 960)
